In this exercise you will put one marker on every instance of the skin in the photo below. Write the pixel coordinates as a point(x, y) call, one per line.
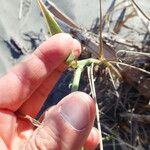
point(24, 89)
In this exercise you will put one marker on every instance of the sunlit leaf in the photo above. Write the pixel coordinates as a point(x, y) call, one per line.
point(52, 25)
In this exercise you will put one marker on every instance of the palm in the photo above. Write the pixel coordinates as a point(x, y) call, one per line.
point(15, 131)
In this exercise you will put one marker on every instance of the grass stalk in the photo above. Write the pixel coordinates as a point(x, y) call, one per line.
point(101, 47)
point(92, 86)
point(130, 66)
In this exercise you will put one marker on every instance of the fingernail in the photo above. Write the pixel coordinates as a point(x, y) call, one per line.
point(76, 112)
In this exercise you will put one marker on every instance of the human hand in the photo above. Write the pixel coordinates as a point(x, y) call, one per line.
point(24, 89)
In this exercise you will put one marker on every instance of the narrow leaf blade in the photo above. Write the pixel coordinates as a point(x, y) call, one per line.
point(52, 25)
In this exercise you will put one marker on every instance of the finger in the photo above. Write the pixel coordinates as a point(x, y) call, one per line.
point(65, 126)
point(39, 96)
point(28, 75)
point(7, 126)
point(92, 140)
point(3, 145)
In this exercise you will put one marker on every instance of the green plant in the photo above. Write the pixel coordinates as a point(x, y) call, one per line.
point(71, 61)
point(80, 65)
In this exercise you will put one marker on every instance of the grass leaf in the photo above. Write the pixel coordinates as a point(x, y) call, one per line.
point(52, 25)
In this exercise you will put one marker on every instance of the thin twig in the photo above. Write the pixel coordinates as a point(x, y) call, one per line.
point(115, 88)
point(117, 39)
point(59, 14)
point(35, 122)
point(92, 86)
point(90, 40)
point(20, 9)
point(133, 67)
point(131, 53)
point(101, 47)
point(108, 14)
point(136, 117)
point(113, 82)
point(140, 10)
point(116, 137)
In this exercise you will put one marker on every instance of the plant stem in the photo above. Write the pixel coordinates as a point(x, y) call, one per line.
point(92, 86)
point(88, 61)
point(76, 79)
point(80, 66)
point(130, 66)
point(101, 48)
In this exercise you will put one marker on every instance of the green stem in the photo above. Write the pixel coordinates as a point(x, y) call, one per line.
point(88, 61)
point(76, 79)
point(80, 66)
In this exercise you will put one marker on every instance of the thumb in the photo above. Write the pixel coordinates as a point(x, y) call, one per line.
point(65, 126)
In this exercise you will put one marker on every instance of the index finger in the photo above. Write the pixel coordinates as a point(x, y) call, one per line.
point(21, 82)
